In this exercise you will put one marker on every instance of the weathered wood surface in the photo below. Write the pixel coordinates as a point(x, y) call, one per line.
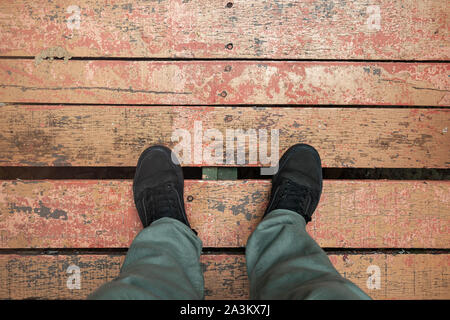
point(385, 29)
point(40, 135)
point(402, 276)
point(101, 214)
point(225, 82)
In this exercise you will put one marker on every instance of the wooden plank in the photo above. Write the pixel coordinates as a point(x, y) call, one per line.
point(225, 82)
point(385, 29)
point(40, 135)
point(101, 214)
point(402, 276)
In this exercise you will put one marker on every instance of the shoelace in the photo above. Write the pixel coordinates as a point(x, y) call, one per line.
point(160, 201)
point(295, 197)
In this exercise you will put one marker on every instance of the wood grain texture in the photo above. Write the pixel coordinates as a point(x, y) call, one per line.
point(403, 276)
point(40, 135)
point(225, 82)
point(101, 214)
point(311, 29)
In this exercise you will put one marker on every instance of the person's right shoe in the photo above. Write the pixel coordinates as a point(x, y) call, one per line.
point(297, 185)
point(158, 186)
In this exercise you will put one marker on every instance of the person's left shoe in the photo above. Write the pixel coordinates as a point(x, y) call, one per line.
point(158, 187)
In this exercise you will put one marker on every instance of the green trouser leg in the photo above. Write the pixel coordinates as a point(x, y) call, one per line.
point(284, 262)
point(162, 263)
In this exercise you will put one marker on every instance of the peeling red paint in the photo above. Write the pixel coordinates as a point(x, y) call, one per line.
point(192, 82)
point(201, 29)
point(351, 214)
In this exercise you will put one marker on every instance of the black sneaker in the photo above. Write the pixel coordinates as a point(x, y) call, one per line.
point(158, 186)
point(297, 185)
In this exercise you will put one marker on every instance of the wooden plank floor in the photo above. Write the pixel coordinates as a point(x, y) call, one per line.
point(386, 29)
point(225, 82)
point(402, 276)
point(92, 84)
point(64, 135)
point(351, 214)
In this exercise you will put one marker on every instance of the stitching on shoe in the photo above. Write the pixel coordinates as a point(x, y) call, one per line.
point(145, 210)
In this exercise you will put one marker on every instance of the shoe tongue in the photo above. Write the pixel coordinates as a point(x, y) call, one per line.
point(163, 198)
point(296, 196)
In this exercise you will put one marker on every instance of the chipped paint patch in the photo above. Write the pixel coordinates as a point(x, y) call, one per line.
point(42, 211)
point(52, 53)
